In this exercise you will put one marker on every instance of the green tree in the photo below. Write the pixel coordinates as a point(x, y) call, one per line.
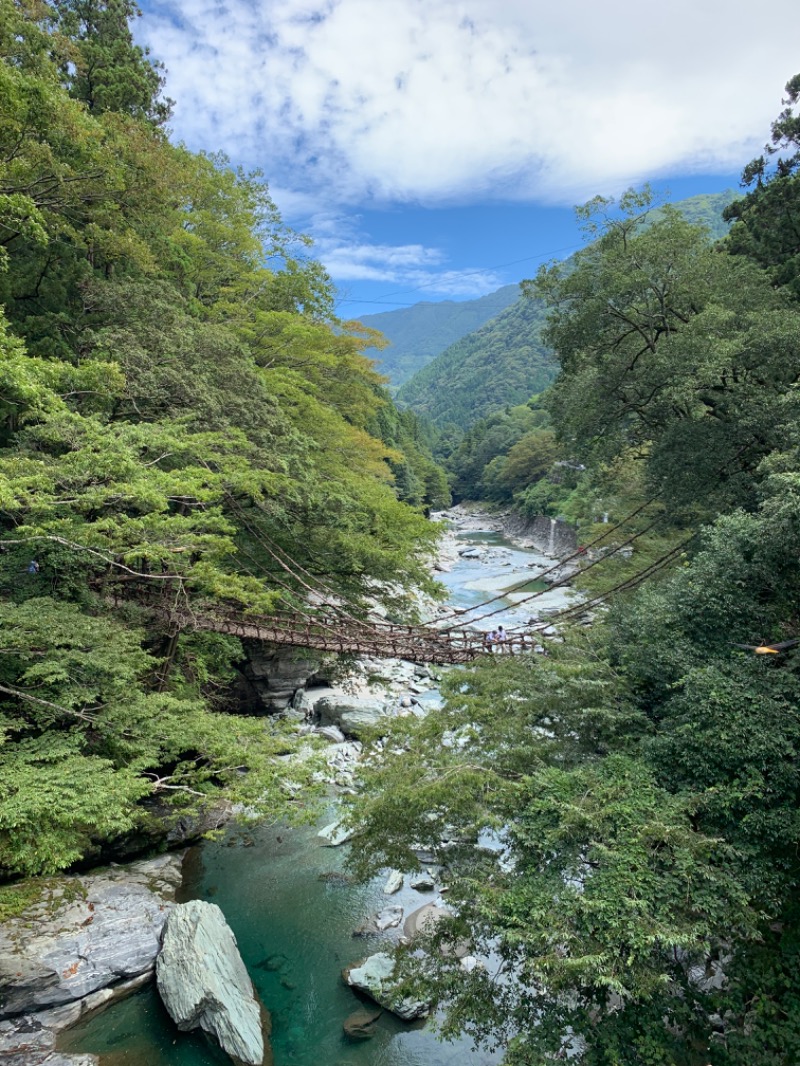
point(671, 352)
point(179, 411)
point(102, 66)
point(635, 795)
point(767, 219)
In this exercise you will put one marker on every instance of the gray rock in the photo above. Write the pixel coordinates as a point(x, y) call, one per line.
point(49, 1058)
point(306, 699)
point(331, 732)
point(85, 934)
point(204, 984)
point(394, 882)
point(366, 929)
point(423, 883)
point(361, 1024)
point(375, 977)
point(30, 1039)
point(60, 1059)
point(334, 834)
point(388, 918)
point(274, 675)
point(352, 714)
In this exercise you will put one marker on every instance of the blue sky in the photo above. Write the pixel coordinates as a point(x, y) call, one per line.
point(433, 148)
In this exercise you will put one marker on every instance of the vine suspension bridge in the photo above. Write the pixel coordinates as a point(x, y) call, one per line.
point(331, 628)
point(328, 630)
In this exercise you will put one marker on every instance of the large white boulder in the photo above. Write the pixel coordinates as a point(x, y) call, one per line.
point(375, 977)
point(204, 983)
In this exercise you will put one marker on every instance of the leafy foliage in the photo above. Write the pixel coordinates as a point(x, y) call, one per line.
point(617, 820)
point(767, 220)
point(503, 363)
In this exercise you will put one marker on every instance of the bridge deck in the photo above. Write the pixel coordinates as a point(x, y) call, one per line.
point(336, 633)
point(415, 644)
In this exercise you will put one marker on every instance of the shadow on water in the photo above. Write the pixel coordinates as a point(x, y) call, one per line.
point(139, 1032)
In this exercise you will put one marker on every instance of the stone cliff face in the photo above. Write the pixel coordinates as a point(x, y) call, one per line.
point(88, 940)
point(271, 676)
point(553, 536)
point(86, 933)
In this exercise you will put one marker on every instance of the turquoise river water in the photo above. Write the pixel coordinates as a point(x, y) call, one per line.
point(293, 914)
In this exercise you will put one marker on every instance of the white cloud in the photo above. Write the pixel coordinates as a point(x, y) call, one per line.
point(449, 100)
point(349, 257)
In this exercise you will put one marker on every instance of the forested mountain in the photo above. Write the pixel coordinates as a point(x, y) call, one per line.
point(640, 781)
point(707, 210)
point(504, 362)
point(182, 427)
point(417, 334)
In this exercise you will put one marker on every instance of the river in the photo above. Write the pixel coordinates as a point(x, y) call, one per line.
point(293, 912)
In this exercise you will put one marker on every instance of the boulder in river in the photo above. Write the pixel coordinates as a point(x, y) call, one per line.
point(204, 983)
point(352, 714)
point(333, 835)
point(394, 882)
point(423, 882)
point(361, 1024)
point(375, 977)
point(388, 918)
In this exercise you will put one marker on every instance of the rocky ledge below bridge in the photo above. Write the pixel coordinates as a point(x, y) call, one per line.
point(88, 940)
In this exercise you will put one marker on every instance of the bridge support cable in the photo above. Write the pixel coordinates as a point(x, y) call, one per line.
point(291, 567)
point(592, 543)
point(630, 583)
point(556, 584)
point(575, 555)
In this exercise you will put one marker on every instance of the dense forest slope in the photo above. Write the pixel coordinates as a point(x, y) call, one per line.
point(417, 334)
point(504, 362)
point(182, 427)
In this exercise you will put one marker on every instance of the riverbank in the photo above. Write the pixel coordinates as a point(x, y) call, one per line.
point(553, 537)
point(84, 943)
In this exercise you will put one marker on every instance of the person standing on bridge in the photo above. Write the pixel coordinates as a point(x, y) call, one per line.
point(502, 637)
point(491, 640)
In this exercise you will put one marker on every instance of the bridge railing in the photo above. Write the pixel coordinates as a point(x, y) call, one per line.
point(329, 631)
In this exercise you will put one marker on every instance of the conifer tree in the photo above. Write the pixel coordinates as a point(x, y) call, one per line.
point(103, 67)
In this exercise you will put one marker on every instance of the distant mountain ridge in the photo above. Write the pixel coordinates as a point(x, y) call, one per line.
point(419, 333)
point(504, 362)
